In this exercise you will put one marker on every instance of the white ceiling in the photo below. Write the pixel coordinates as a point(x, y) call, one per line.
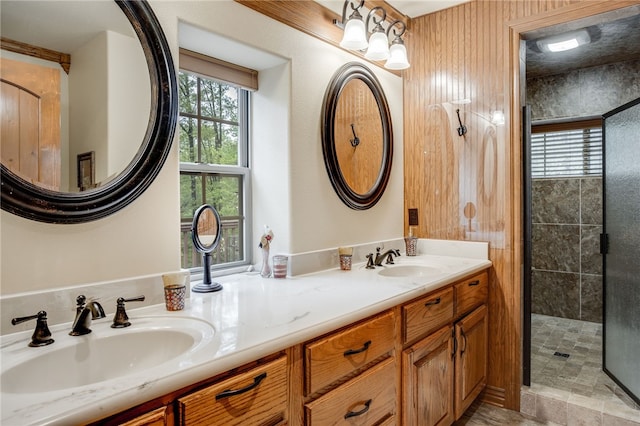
point(411, 8)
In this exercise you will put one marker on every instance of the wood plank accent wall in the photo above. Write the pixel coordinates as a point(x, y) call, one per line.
point(468, 187)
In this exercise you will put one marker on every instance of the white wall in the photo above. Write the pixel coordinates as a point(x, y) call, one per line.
point(88, 112)
point(129, 92)
point(293, 194)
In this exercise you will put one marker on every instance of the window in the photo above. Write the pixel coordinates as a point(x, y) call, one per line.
point(567, 149)
point(214, 165)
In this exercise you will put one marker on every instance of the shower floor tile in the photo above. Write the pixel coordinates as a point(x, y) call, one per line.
point(581, 372)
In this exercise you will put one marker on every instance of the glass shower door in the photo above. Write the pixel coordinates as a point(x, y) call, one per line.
point(621, 247)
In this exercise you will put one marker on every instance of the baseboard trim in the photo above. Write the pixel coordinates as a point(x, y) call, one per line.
point(494, 396)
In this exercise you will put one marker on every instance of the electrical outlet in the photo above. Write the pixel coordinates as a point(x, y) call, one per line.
point(413, 217)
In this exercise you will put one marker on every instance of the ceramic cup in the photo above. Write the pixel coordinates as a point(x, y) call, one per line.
point(174, 296)
point(345, 262)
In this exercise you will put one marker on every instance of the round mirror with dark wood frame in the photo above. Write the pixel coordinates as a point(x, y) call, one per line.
point(357, 138)
point(30, 201)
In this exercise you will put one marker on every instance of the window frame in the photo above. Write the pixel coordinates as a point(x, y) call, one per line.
point(242, 170)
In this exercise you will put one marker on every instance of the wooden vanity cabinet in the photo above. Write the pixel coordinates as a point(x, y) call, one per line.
point(421, 363)
point(443, 372)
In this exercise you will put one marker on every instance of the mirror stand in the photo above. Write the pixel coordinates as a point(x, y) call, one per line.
point(206, 286)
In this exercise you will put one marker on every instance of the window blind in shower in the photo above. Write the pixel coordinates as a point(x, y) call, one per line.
point(566, 149)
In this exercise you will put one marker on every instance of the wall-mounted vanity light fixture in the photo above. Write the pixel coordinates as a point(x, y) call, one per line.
point(356, 36)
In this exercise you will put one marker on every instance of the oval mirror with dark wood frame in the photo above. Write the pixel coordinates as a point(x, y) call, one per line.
point(357, 138)
point(30, 201)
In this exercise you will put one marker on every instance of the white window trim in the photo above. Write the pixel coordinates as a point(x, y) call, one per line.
point(244, 108)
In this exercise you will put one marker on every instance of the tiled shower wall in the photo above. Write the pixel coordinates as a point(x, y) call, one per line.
point(567, 212)
point(567, 264)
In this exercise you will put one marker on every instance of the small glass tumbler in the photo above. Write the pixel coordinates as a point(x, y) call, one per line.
point(174, 296)
point(411, 245)
point(280, 266)
point(345, 262)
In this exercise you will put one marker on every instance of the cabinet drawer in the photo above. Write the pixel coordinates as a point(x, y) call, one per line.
point(471, 293)
point(156, 417)
point(335, 356)
point(364, 400)
point(427, 314)
point(257, 397)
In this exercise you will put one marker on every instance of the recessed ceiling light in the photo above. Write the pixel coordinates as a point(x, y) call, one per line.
point(563, 42)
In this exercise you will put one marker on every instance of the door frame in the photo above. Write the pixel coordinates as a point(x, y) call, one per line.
point(517, 32)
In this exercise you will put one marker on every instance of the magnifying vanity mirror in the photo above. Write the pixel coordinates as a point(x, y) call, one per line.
point(104, 129)
point(206, 233)
point(357, 138)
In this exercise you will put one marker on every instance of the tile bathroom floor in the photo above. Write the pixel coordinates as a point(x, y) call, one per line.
point(487, 415)
point(579, 373)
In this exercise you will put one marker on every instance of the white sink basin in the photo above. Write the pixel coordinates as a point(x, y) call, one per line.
point(104, 354)
point(409, 271)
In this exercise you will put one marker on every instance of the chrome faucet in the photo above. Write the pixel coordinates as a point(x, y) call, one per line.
point(85, 312)
point(387, 254)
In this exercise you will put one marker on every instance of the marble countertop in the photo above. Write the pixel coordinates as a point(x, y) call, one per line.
point(252, 317)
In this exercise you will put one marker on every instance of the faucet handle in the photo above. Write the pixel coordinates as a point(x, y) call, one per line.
point(120, 319)
point(80, 301)
point(41, 336)
point(392, 253)
point(370, 264)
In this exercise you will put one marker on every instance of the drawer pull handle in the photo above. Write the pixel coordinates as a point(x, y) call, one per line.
point(367, 404)
point(228, 393)
point(357, 351)
point(474, 283)
point(433, 302)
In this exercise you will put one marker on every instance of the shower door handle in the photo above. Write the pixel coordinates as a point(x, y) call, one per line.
point(604, 243)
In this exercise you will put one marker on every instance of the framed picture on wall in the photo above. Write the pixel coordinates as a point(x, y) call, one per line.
point(86, 170)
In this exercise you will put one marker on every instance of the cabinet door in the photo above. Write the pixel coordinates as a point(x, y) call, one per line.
point(427, 372)
point(471, 358)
